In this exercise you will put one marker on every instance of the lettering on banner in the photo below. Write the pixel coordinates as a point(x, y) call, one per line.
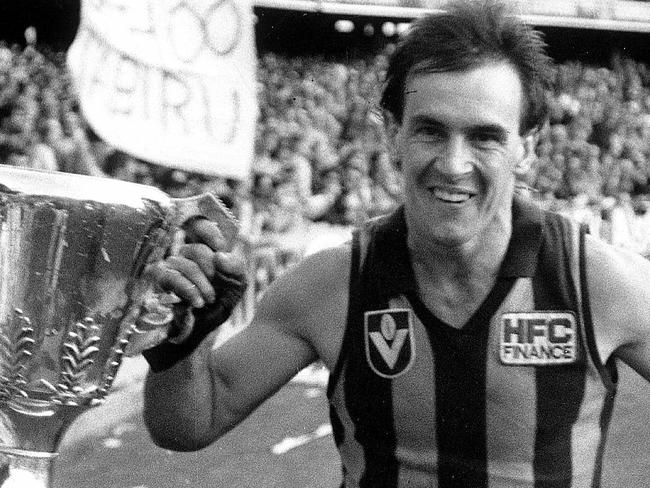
point(183, 102)
point(217, 29)
point(172, 81)
point(183, 29)
point(139, 17)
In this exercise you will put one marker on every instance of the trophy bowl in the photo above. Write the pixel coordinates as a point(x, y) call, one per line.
point(72, 252)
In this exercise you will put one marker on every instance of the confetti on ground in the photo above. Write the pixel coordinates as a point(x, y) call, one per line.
point(112, 443)
point(313, 375)
point(289, 443)
point(105, 255)
point(313, 392)
point(123, 428)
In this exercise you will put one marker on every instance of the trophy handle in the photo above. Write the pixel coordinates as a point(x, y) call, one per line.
point(156, 315)
point(209, 206)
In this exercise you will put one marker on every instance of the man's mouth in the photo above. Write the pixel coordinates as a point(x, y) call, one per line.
point(452, 196)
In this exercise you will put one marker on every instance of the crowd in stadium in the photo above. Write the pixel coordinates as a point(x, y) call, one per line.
point(320, 151)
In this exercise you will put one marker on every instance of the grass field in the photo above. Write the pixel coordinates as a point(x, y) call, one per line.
point(109, 447)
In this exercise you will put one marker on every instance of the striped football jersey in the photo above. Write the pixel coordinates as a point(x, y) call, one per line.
point(517, 397)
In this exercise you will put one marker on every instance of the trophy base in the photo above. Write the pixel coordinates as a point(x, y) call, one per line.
point(32, 408)
point(34, 429)
point(30, 431)
point(20, 468)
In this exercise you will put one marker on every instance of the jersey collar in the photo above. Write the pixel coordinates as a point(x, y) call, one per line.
point(523, 250)
point(394, 273)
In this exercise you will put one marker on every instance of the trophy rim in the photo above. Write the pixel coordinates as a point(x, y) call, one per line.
point(32, 181)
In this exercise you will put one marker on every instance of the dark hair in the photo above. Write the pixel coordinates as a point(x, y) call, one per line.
point(115, 161)
point(466, 35)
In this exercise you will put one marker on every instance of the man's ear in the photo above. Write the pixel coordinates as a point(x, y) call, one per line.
point(526, 155)
point(391, 124)
point(392, 127)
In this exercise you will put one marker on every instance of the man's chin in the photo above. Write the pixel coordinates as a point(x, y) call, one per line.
point(452, 237)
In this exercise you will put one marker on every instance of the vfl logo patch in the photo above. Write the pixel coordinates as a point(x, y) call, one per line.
point(538, 338)
point(390, 347)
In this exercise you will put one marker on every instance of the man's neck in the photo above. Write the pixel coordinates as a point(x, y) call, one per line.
point(481, 256)
point(454, 280)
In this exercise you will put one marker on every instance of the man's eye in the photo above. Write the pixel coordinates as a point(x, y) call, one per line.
point(428, 132)
point(485, 138)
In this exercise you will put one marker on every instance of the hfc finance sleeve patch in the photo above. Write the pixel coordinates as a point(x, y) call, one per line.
point(390, 345)
point(538, 338)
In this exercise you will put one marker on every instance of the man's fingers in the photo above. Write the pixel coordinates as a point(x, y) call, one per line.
point(184, 278)
point(230, 263)
point(202, 255)
point(193, 273)
point(207, 232)
point(182, 328)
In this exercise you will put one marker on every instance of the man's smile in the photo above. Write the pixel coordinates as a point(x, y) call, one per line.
point(452, 195)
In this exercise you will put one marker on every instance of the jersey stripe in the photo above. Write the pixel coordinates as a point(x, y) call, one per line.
point(347, 445)
point(605, 417)
point(560, 389)
point(371, 409)
point(460, 379)
point(414, 399)
point(607, 372)
point(511, 415)
point(343, 425)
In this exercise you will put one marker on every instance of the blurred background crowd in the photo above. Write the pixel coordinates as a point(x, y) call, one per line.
point(321, 153)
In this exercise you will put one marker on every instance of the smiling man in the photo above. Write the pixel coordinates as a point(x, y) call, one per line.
point(470, 335)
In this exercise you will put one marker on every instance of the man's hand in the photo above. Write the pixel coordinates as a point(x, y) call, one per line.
point(206, 276)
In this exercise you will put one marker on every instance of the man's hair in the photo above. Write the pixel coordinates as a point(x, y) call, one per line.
point(470, 34)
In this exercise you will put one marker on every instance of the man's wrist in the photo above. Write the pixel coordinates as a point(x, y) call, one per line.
point(199, 322)
point(185, 335)
point(167, 354)
point(192, 325)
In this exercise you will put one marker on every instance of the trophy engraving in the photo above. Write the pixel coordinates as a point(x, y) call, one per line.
point(14, 356)
point(72, 252)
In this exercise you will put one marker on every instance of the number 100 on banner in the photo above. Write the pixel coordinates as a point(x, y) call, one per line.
point(170, 81)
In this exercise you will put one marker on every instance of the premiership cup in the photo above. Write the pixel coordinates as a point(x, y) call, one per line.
point(72, 252)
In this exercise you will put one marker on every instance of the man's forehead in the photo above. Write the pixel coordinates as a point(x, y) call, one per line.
point(493, 92)
point(503, 71)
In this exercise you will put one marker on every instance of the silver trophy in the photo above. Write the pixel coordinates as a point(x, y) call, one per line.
point(72, 252)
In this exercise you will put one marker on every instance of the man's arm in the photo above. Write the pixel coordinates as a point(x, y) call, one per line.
point(301, 317)
point(619, 286)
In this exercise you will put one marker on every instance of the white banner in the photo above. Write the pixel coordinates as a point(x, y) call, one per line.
point(170, 81)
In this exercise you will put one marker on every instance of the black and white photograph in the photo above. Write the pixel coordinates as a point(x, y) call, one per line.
point(325, 243)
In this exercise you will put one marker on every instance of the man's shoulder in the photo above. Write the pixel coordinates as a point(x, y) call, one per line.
point(622, 271)
point(315, 278)
point(391, 225)
point(326, 264)
point(619, 293)
point(391, 219)
point(310, 300)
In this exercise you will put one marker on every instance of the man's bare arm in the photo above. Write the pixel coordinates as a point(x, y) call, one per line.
point(199, 399)
point(619, 285)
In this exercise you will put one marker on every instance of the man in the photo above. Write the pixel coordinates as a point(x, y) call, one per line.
point(470, 335)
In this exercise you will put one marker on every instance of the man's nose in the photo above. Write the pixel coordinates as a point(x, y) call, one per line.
point(456, 157)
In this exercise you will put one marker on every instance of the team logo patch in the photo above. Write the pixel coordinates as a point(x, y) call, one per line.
point(390, 346)
point(538, 338)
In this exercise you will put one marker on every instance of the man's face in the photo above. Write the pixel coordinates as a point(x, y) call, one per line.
point(460, 148)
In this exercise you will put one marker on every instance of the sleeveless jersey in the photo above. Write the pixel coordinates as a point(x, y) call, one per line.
point(518, 397)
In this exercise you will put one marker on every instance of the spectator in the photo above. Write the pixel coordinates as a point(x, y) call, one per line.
point(42, 155)
point(315, 113)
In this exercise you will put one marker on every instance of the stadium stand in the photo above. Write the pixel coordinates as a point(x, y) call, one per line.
point(321, 160)
point(320, 152)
